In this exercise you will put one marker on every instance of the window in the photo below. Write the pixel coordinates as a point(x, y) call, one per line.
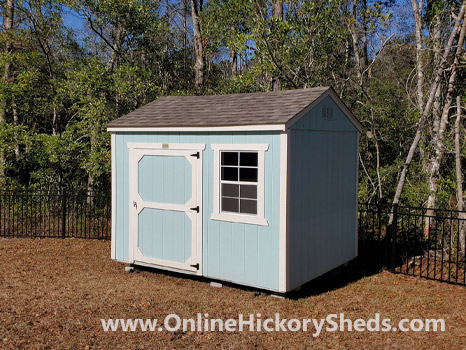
point(239, 183)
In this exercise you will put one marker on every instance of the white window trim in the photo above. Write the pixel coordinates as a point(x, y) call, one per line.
point(258, 219)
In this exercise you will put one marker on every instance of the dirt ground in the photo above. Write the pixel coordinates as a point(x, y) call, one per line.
point(54, 292)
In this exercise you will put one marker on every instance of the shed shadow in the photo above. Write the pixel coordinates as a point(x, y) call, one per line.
point(332, 280)
point(335, 279)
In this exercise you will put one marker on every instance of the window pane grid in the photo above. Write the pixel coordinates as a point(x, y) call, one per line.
point(238, 182)
point(246, 205)
point(240, 166)
point(249, 199)
point(239, 179)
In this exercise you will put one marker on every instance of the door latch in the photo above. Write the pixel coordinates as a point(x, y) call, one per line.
point(196, 209)
point(135, 204)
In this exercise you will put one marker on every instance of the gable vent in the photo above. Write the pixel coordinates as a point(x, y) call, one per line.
point(327, 113)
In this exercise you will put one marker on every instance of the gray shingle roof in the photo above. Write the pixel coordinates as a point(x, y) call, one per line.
point(221, 110)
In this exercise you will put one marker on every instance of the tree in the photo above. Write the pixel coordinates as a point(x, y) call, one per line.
point(199, 60)
point(439, 132)
point(427, 109)
point(459, 180)
point(7, 27)
point(277, 13)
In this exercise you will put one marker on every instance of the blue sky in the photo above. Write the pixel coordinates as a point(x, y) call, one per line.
point(75, 22)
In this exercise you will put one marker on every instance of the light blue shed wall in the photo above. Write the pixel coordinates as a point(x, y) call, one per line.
point(323, 194)
point(241, 253)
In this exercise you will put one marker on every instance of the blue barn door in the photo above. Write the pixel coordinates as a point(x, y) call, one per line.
point(165, 205)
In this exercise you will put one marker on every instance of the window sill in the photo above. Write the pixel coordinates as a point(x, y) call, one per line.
point(253, 220)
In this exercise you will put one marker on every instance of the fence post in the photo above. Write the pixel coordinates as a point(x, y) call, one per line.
point(63, 213)
point(394, 231)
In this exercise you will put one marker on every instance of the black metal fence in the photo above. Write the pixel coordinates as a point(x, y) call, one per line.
point(413, 241)
point(407, 240)
point(59, 214)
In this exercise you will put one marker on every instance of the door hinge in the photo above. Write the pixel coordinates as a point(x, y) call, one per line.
point(195, 208)
point(197, 155)
point(196, 266)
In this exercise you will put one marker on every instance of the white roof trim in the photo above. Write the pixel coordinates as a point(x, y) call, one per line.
point(265, 127)
point(330, 92)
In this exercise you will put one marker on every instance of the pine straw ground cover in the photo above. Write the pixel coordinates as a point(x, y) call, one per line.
point(53, 294)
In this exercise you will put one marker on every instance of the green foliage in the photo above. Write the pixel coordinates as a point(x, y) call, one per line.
point(242, 83)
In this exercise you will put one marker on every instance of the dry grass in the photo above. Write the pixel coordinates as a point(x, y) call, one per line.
point(53, 294)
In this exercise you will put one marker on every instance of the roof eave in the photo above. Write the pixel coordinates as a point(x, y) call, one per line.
point(258, 127)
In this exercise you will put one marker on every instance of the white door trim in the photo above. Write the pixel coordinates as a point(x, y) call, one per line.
point(166, 146)
point(136, 203)
point(114, 196)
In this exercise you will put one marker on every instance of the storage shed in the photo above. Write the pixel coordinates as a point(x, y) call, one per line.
point(258, 189)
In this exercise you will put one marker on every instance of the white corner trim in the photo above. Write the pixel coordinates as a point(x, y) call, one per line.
point(283, 233)
point(245, 219)
point(288, 206)
point(132, 189)
point(265, 127)
point(114, 196)
point(166, 146)
point(259, 219)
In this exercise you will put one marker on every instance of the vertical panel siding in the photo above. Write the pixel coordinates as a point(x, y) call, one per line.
point(323, 194)
point(241, 253)
point(314, 121)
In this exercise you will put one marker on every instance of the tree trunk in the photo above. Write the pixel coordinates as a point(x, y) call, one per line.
point(437, 47)
point(277, 12)
point(90, 186)
point(379, 179)
point(117, 38)
point(427, 108)
point(185, 33)
point(7, 27)
point(417, 12)
point(112, 63)
point(352, 27)
point(234, 64)
point(459, 180)
point(90, 176)
point(199, 62)
point(439, 135)
point(365, 51)
point(436, 113)
point(54, 120)
point(14, 111)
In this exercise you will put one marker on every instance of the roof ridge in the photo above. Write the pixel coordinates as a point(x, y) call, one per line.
point(316, 88)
